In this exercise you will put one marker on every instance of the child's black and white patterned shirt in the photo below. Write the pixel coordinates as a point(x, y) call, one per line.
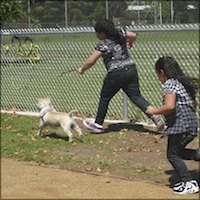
point(114, 55)
point(183, 119)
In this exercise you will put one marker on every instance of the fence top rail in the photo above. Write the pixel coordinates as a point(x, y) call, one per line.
point(136, 28)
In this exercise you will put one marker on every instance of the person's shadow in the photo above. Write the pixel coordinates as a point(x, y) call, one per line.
point(128, 125)
point(110, 128)
point(174, 178)
point(61, 137)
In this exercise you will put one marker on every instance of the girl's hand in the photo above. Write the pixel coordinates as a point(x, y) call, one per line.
point(80, 70)
point(150, 110)
point(129, 45)
point(131, 37)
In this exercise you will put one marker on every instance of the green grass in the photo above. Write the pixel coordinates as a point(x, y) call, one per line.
point(126, 151)
point(93, 152)
point(19, 140)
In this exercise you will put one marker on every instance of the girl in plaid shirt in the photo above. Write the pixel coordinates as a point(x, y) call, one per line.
point(179, 110)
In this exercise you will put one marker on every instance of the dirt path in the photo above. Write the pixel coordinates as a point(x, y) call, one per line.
point(25, 180)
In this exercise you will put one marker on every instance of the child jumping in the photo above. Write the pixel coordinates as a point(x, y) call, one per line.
point(179, 110)
point(121, 72)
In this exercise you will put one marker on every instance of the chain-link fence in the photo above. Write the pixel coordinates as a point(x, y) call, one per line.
point(41, 62)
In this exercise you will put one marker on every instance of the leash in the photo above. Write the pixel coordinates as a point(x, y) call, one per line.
point(43, 113)
point(68, 71)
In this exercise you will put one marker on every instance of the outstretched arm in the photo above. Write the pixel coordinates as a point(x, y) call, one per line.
point(131, 37)
point(90, 61)
point(168, 106)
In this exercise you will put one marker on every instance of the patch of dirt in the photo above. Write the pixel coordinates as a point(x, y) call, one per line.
point(130, 152)
point(127, 162)
point(22, 180)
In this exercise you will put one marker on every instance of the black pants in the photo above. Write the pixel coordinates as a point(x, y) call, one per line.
point(125, 79)
point(176, 152)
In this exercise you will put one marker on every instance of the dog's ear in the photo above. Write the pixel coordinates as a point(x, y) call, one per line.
point(37, 100)
point(48, 98)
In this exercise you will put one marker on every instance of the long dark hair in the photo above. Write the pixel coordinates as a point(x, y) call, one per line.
point(172, 70)
point(108, 27)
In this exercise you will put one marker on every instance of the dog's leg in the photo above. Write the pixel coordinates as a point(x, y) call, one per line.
point(41, 125)
point(70, 135)
point(78, 130)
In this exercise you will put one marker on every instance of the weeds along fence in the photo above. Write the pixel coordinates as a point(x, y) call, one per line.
point(41, 62)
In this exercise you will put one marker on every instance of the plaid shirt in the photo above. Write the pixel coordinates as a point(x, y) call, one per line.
point(183, 119)
point(114, 55)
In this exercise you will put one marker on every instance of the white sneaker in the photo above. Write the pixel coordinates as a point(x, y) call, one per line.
point(181, 184)
point(190, 187)
point(158, 121)
point(178, 185)
point(96, 128)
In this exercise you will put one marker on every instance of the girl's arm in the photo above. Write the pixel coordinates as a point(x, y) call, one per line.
point(131, 37)
point(168, 106)
point(90, 61)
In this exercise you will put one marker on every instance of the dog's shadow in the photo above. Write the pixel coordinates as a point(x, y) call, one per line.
point(60, 137)
point(174, 178)
point(56, 136)
point(130, 126)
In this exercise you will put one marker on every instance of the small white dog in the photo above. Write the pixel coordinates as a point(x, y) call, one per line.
point(49, 116)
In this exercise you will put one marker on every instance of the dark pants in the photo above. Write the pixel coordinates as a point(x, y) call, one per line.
point(176, 152)
point(125, 79)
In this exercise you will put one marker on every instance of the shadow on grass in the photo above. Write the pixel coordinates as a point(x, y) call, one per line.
point(110, 128)
point(57, 136)
point(129, 126)
point(61, 137)
point(174, 178)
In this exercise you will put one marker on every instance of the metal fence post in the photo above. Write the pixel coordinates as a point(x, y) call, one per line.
point(66, 14)
point(29, 13)
point(124, 106)
point(107, 17)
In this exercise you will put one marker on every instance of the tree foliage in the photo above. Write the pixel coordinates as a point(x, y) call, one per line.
point(48, 11)
point(78, 12)
point(117, 8)
point(85, 11)
point(183, 14)
point(10, 11)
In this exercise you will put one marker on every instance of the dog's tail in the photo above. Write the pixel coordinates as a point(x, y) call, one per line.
point(71, 112)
